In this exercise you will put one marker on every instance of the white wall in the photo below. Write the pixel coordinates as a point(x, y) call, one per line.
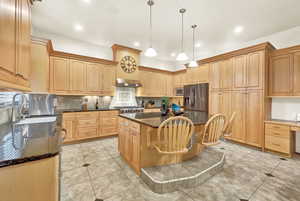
point(65, 44)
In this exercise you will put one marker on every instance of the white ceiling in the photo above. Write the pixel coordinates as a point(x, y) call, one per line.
point(106, 22)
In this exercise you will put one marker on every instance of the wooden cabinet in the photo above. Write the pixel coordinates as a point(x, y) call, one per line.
point(34, 181)
point(129, 143)
point(226, 74)
point(281, 75)
point(86, 125)
point(78, 76)
point(215, 75)
point(239, 107)
point(240, 70)
point(23, 39)
point(108, 79)
point(296, 74)
point(69, 123)
point(108, 123)
point(94, 76)
point(74, 77)
point(254, 118)
point(15, 48)
point(197, 75)
point(278, 138)
point(215, 102)
point(59, 75)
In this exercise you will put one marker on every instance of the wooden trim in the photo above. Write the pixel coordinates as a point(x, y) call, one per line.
point(284, 51)
point(179, 71)
point(121, 47)
point(146, 68)
point(65, 55)
point(228, 55)
point(12, 87)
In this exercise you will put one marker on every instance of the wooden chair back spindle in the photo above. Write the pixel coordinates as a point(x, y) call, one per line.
point(174, 135)
point(213, 130)
point(229, 125)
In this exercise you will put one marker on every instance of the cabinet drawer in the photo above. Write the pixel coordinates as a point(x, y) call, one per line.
point(134, 126)
point(109, 113)
point(278, 133)
point(109, 131)
point(88, 122)
point(277, 127)
point(87, 115)
point(278, 144)
point(69, 115)
point(87, 132)
point(109, 121)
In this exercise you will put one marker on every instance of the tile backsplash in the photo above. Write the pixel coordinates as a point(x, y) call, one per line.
point(74, 102)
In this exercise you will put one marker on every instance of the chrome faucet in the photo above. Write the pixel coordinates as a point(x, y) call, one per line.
point(20, 111)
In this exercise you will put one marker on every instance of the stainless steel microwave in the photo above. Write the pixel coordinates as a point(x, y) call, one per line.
point(179, 91)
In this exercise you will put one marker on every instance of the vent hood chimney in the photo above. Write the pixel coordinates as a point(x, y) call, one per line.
point(128, 83)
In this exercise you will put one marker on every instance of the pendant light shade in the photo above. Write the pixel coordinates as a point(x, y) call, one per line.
point(193, 63)
point(182, 55)
point(150, 52)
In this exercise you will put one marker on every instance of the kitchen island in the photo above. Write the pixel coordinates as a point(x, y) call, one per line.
point(138, 130)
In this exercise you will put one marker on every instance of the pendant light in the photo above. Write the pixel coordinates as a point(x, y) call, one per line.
point(182, 55)
point(150, 52)
point(193, 63)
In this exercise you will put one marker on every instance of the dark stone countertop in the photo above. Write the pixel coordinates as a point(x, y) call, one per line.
point(154, 119)
point(89, 110)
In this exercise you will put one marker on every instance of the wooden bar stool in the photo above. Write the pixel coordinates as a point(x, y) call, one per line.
point(214, 130)
point(174, 135)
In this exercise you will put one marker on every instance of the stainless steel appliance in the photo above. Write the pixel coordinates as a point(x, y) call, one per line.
point(130, 109)
point(179, 91)
point(196, 97)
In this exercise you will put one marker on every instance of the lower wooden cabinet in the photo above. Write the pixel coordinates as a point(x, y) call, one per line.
point(129, 142)
point(86, 125)
point(34, 181)
point(278, 138)
point(249, 108)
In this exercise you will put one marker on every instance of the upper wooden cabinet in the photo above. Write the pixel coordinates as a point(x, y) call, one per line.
point(74, 77)
point(197, 75)
point(296, 74)
point(215, 75)
point(221, 75)
point(94, 76)
point(15, 44)
point(78, 76)
point(108, 79)
point(59, 75)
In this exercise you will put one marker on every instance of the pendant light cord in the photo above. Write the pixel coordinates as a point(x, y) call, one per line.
point(150, 26)
point(194, 43)
point(182, 32)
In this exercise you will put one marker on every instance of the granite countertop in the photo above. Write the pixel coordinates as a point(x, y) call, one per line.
point(154, 119)
point(89, 110)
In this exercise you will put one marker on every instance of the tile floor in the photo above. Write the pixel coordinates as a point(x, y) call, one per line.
point(94, 170)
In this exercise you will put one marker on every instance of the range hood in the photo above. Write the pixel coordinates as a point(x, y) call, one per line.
point(120, 82)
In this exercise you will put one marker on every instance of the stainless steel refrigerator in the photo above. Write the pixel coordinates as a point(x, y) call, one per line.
point(196, 97)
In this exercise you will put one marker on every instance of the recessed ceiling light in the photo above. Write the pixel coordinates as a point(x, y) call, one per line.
point(173, 54)
point(87, 1)
point(78, 27)
point(238, 29)
point(136, 44)
point(199, 44)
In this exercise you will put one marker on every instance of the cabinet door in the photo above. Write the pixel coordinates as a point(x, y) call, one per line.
point(255, 119)
point(215, 102)
point(239, 106)
point(23, 35)
point(59, 74)
point(226, 74)
point(240, 71)
point(255, 71)
point(226, 104)
point(296, 73)
point(215, 75)
point(281, 75)
point(135, 158)
point(169, 85)
point(93, 78)
point(78, 76)
point(7, 35)
point(108, 79)
point(202, 74)
point(69, 125)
